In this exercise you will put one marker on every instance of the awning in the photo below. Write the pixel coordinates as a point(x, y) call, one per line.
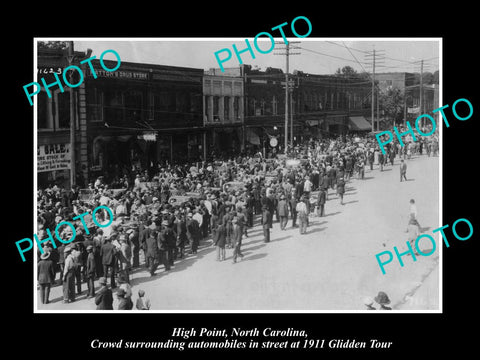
point(313, 122)
point(252, 137)
point(359, 123)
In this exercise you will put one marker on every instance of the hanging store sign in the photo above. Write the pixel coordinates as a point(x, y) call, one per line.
point(53, 157)
point(149, 136)
point(273, 141)
point(121, 74)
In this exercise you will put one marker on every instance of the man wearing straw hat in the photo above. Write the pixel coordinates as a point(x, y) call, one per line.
point(45, 276)
point(68, 276)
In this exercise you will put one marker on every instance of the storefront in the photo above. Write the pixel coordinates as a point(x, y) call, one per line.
point(143, 117)
point(53, 165)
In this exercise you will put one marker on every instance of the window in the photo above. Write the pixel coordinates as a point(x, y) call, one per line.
point(95, 104)
point(236, 107)
point(133, 105)
point(113, 107)
point(63, 109)
point(216, 106)
point(44, 112)
point(226, 108)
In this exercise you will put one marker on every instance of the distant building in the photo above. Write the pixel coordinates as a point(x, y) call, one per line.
point(223, 112)
point(53, 120)
point(398, 80)
point(409, 86)
point(142, 116)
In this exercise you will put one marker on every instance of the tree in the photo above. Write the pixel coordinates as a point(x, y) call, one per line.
point(346, 71)
point(59, 45)
point(392, 103)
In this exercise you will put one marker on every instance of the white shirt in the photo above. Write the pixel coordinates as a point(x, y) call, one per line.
point(413, 210)
point(197, 216)
point(301, 207)
point(307, 186)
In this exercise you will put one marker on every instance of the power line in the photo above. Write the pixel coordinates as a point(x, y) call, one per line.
point(332, 56)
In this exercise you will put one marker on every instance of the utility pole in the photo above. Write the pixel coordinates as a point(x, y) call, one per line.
point(421, 90)
point(373, 93)
point(287, 48)
point(70, 58)
point(287, 54)
point(373, 57)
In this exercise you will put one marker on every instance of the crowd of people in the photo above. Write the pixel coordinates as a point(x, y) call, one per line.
point(161, 218)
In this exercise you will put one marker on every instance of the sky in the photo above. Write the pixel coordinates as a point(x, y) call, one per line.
point(316, 55)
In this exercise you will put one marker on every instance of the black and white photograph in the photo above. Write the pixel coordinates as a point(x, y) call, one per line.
point(217, 180)
point(263, 174)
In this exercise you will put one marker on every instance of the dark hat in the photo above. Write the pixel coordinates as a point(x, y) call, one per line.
point(382, 298)
point(121, 292)
point(122, 278)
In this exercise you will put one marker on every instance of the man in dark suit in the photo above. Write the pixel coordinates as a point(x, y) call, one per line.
point(250, 205)
point(144, 231)
point(403, 170)
point(293, 207)
point(193, 233)
point(90, 268)
point(104, 297)
point(219, 240)
point(124, 302)
point(181, 234)
point(46, 276)
point(236, 239)
point(321, 202)
point(107, 254)
point(152, 252)
point(266, 223)
point(164, 242)
point(282, 209)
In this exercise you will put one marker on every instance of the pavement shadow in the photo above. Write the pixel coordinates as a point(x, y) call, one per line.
point(254, 257)
point(248, 249)
point(316, 230)
point(334, 213)
point(367, 178)
point(78, 297)
point(179, 265)
point(281, 238)
point(350, 202)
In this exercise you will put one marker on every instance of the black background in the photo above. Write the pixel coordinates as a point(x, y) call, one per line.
point(70, 334)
